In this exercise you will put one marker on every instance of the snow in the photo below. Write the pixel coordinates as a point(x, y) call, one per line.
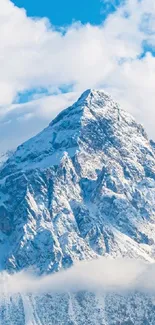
point(84, 187)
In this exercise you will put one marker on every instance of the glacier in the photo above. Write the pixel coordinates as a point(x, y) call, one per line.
point(82, 188)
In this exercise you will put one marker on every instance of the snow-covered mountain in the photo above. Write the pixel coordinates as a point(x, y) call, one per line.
point(4, 156)
point(82, 188)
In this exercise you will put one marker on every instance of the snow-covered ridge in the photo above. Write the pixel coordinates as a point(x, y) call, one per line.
point(82, 188)
point(4, 156)
point(65, 132)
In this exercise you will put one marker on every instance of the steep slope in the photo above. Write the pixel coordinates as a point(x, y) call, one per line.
point(83, 187)
point(5, 156)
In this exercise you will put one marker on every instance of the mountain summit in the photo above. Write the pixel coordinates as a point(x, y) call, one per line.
point(82, 188)
point(94, 121)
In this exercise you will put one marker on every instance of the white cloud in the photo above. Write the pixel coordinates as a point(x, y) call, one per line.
point(22, 121)
point(33, 54)
point(96, 276)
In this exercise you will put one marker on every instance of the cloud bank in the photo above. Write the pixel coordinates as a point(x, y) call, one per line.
point(117, 56)
point(102, 275)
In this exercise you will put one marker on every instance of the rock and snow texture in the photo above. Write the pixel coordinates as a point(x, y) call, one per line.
point(82, 188)
point(4, 156)
point(81, 308)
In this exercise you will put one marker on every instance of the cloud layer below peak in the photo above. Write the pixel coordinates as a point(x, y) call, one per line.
point(102, 275)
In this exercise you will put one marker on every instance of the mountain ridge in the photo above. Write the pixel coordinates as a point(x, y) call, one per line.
point(82, 111)
point(82, 188)
point(76, 184)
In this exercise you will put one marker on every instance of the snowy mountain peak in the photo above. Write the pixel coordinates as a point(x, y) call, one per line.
point(93, 94)
point(83, 187)
point(93, 123)
point(90, 100)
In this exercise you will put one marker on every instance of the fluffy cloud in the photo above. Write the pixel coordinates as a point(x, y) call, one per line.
point(34, 55)
point(99, 275)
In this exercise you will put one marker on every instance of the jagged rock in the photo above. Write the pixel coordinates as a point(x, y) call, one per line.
point(84, 187)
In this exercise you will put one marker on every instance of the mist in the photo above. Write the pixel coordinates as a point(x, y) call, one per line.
point(99, 275)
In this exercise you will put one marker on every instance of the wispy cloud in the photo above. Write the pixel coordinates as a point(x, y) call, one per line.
point(18, 122)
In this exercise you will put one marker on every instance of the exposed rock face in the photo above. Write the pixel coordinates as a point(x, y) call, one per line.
point(82, 188)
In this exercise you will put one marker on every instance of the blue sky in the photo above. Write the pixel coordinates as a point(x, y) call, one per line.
point(62, 12)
